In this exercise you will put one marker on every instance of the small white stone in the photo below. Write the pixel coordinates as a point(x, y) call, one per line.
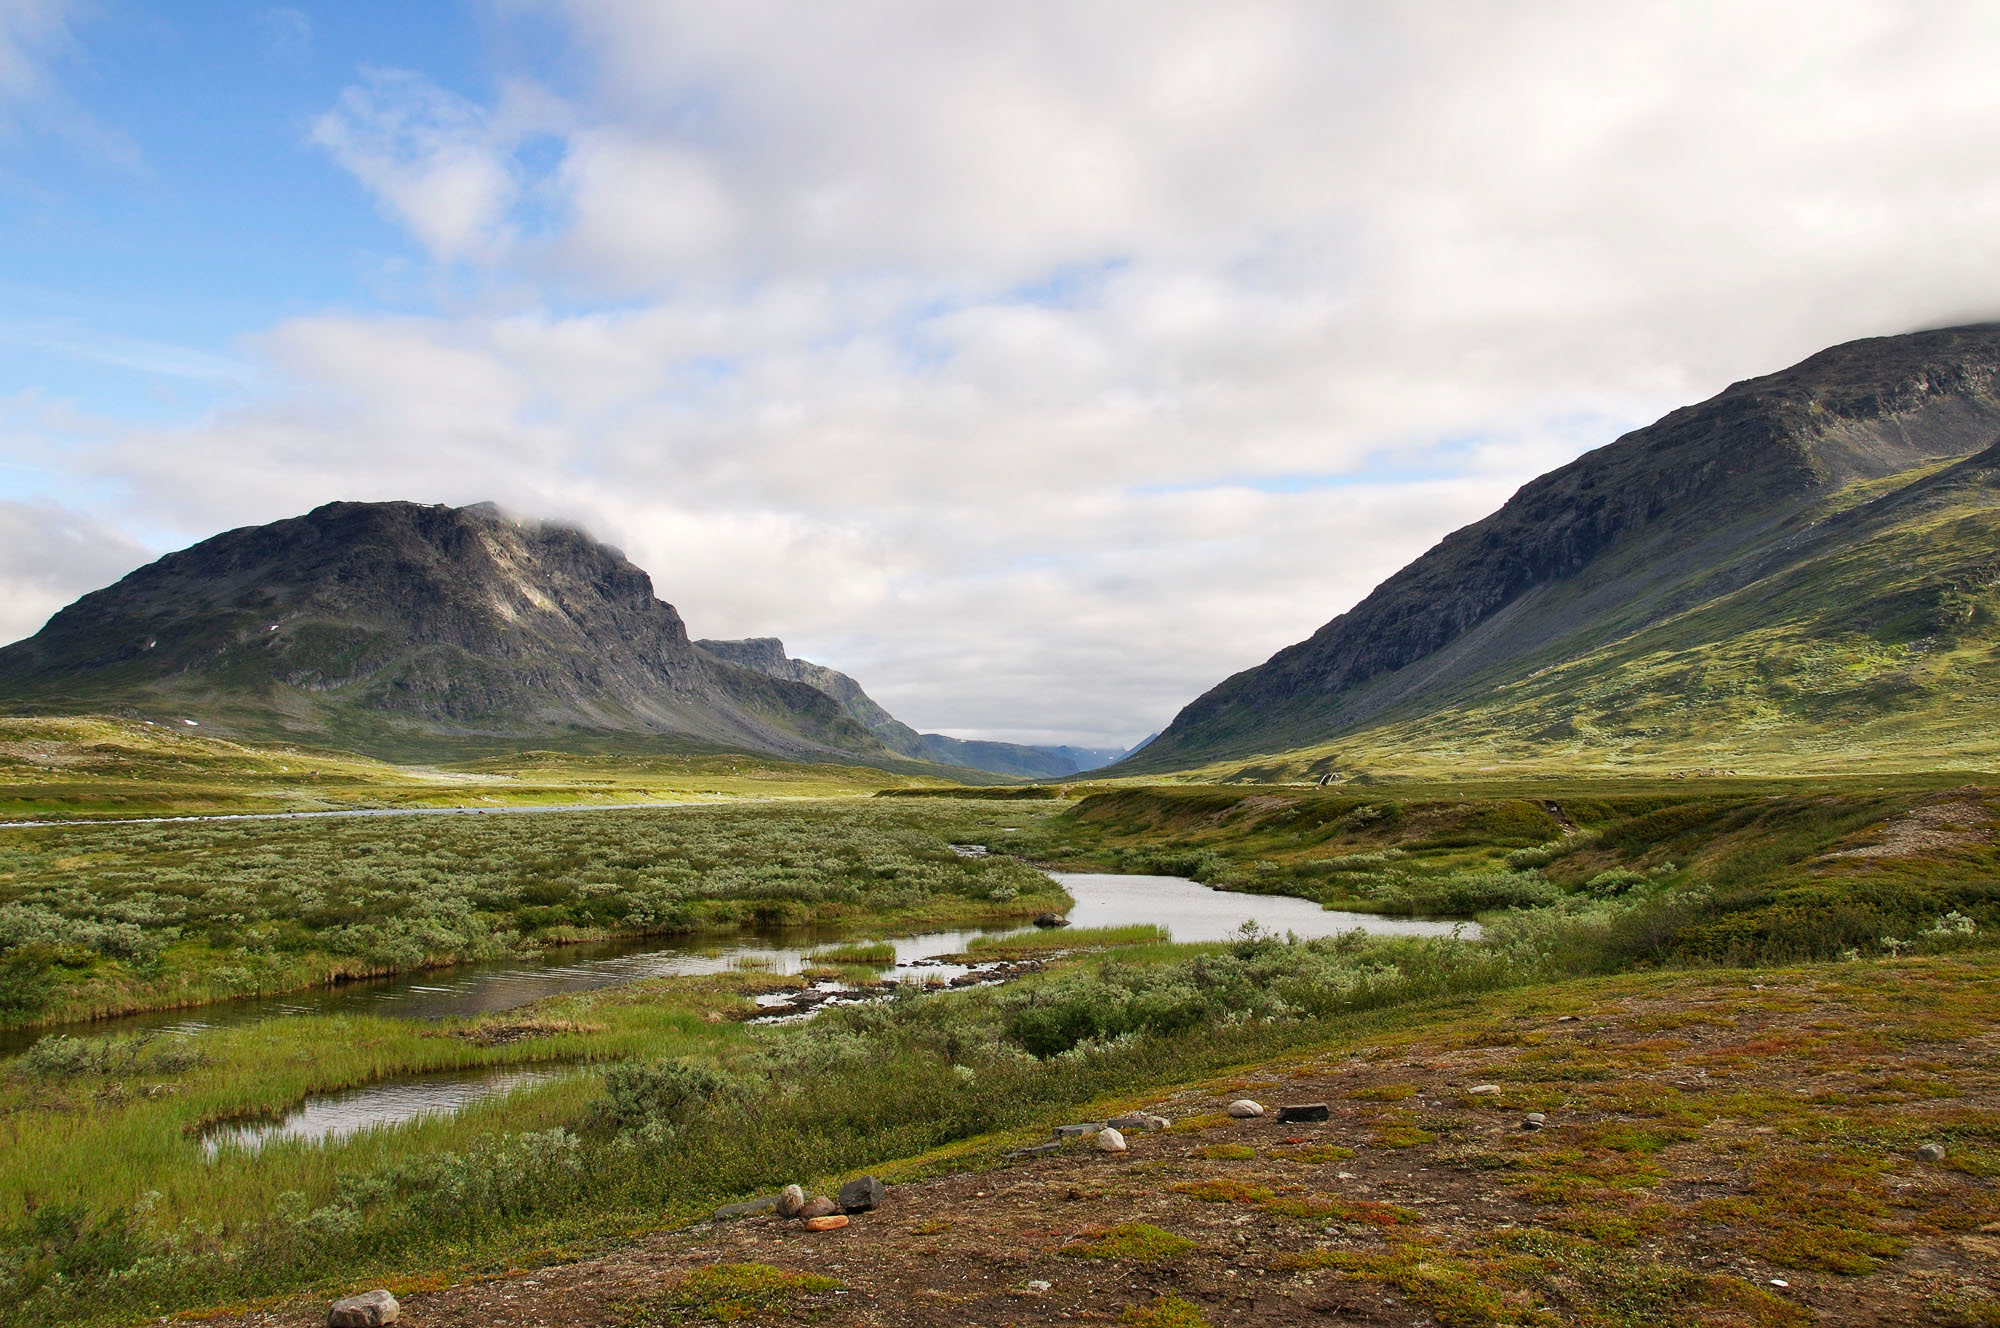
point(1038, 1286)
point(1485, 1090)
point(1244, 1109)
point(1779, 1281)
point(1109, 1140)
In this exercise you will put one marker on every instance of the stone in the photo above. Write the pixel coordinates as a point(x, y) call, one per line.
point(1078, 1131)
point(1244, 1109)
point(370, 1309)
point(1136, 1120)
point(1534, 1120)
point(1304, 1111)
point(830, 1222)
point(1157, 1122)
point(749, 1206)
point(818, 1206)
point(1110, 1141)
point(861, 1194)
point(1039, 1287)
point(1931, 1153)
point(1051, 920)
point(1485, 1090)
point(791, 1201)
point(1036, 1150)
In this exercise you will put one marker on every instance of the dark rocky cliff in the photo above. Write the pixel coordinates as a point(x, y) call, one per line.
point(1621, 535)
point(421, 618)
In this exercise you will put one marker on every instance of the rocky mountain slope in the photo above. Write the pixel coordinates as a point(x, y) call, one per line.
point(1804, 559)
point(767, 655)
point(376, 626)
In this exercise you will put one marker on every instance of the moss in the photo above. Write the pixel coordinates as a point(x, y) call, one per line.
point(1226, 1152)
point(1169, 1311)
point(733, 1292)
point(1140, 1242)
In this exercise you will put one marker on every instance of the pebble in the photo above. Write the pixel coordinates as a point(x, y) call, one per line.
point(830, 1222)
point(1244, 1109)
point(370, 1309)
point(1110, 1141)
point(1485, 1090)
point(861, 1194)
point(791, 1201)
point(1304, 1111)
point(1535, 1120)
point(819, 1206)
point(1931, 1153)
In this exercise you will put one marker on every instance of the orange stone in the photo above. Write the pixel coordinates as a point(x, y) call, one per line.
point(834, 1223)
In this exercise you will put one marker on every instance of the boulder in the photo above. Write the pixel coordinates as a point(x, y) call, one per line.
point(1051, 920)
point(1244, 1109)
point(791, 1201)
point(1110, 1141)
point(830, 1222)
point(818, 1206)
point(370, 1309)
point(1304, 1111)
point(1133, 1120)
point(1931, 1153)
point(861, 1194)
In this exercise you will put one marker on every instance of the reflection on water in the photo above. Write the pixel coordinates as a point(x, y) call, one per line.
point(336, 1115)
point(1191, 911)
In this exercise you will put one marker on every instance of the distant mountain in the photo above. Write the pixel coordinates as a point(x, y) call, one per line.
point(380, 626)
point(767, 655)
point(1797, 573)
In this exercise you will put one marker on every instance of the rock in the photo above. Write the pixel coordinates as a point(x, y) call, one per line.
point(1137, 1120)
point(1039, 1287)
point(1051, 920)
point(1244, 1109)
point(1531, 1123)
point(1304, 1111)
point(830, 1222)
point(1110, 1141)
point(367, 1310)
point(791, 1201)
point(861, 1194)
point(818, 1206)
point(1931, 1153)
point(749, 1206)
point(1078, 1131)
point(1485, 1090)
point(1157, 1122)
point(1036, 1150)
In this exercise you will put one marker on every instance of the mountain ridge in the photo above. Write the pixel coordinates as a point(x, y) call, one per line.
point(1689, 510)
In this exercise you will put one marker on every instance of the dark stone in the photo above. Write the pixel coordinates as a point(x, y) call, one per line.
point(1051, 920)
point(861, 1194)
point(1305, 1111)
point(1078, 1131)
point(1036, 1150)
point(747, 1207)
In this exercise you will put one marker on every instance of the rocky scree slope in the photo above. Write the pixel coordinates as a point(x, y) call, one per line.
point(372, 624)
point(767, 655)
point(1668, 520)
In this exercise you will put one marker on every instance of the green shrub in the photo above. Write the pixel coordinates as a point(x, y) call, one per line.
point(667, 1094)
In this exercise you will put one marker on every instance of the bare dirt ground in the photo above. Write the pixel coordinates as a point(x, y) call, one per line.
point(1720, 1149)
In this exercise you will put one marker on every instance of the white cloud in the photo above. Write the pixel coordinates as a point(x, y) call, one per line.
point(1040, 364)
point(48, 555)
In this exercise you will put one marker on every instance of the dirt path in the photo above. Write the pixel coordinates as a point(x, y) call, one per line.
point(1717, 1151)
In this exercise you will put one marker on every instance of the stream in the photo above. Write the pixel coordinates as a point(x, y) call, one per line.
point(1189, 910)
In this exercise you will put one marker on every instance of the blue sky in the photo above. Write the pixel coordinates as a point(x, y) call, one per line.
point(1039, 365)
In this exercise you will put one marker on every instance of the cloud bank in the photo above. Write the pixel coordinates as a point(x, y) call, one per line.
point(1042, 364)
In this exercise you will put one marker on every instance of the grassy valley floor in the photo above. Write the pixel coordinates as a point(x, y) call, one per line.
point(1728, 1148)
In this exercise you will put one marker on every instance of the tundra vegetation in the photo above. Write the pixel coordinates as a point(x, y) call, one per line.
point(668, 1102)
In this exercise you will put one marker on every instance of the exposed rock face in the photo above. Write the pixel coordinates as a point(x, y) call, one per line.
point(766, 654)
point(1632, 532)
point(360, 620)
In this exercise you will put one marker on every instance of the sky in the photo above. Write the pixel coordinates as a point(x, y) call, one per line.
point(1039, 365)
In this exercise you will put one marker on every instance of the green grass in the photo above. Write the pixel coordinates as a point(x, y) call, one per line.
point(870, 953)
point(1139, 1242)
point(106, 919)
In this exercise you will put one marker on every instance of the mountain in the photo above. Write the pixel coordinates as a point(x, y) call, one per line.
point(1795, 574)
point(380, 626)
point(767, 655)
